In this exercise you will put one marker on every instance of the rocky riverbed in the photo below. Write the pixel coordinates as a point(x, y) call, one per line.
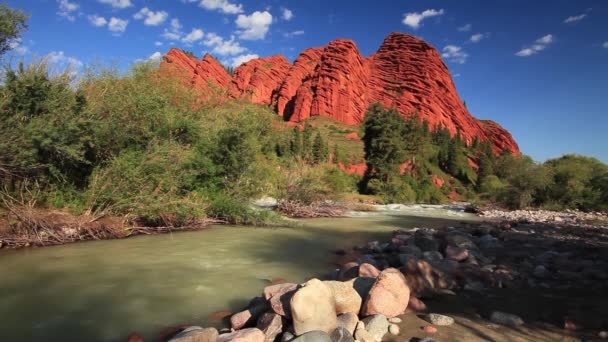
point(502, 281)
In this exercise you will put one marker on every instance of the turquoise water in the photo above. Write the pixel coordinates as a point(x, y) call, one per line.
point(104, 290)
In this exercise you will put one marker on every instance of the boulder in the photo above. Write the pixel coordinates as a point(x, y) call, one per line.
point(196, 334)
point(280, 296)
point(388, 296)
point(376, 326)
point(411, 249)
point(271, 324)
point(363, 335)
point(456, 253)
point(432, 256)
point(278, 289)
point(348, 321)
point(368, 270)
point(313, 336)
point(248, 317)
point(345, 296)
point(506, 319)
point(341, 335)
point(313, 308)
point(245, 335)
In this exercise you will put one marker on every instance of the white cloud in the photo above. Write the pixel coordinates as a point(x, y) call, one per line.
point(174, 32)
point(254, 26)
point(117, 25)
point(287, 14)
point(193, 36)
point(414, 19)
point(155, 57)
point(117, 3)
point(454, 54)
point(605, 45)
point(223, 6)
point(98, 21)
point(150, 17)
point(17, 46)
point(476, 38)
point(223, 47)
point(575, 18)
point(465, 28)
point(68, 63)
point(158, 43)
point(67, 9)
point(293, 33)
point(238, 60)
point(539, 45)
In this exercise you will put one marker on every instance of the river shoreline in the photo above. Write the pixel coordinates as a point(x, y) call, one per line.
point(477, 281)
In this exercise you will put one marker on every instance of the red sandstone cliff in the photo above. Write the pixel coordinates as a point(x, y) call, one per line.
point(337, 81)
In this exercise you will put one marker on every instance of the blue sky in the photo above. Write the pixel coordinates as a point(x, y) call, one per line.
point(539, 68)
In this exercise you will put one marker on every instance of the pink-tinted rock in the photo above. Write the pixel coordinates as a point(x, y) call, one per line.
point(368, 271)
point(429, 329)
point(135, 337)
point(280, 296)
point(271, 324)
point(245, 335)
point(389, 295)
point(456, 253)
point(416, 304)
point(258, 79)
point(249, 316)
point(278, 289)
point(347, 299)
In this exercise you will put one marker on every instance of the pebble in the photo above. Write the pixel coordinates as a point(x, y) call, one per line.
point(395, 320)
point(429, 329)
point(603, 335)
point(506, 319)
point(440, 320)
point(393, 329)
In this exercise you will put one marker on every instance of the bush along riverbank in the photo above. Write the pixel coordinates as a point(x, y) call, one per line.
point(383, 295)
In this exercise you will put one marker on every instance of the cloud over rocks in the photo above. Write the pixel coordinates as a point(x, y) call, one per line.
point(539, 45)
point(224, 6)
point(454, 54)
point(238, 60)
point(195, 35)
point(150, 17)
point(253, 26)
point(223, 47)
point(174, 32)
point(414, 19)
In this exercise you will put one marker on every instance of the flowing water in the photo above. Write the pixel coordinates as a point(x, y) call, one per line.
point(103, 290)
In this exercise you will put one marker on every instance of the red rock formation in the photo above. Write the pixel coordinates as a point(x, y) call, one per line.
point(337, 81)
point(259, 79)
point(204, 75)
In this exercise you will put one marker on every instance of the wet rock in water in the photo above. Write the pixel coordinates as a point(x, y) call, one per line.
point(506, 319)
point(376, 325)
point(245, 335)
point(196, 334)
point(271, 324)
point(429, 329)
point(342, 335)
point(366, 258)
point(348, 271)
point(432, 256)
point(395, 320)
point(416, 305)
point(248, 317)
point(426, 242)
point(347, 299)
point(410, 249)
point(389, 295)
point(488, 241)
point(393, 329)
point(348, 321)
point(540, 271)
point(441, 320)
point(313, 308)
point(456, 253)
point(134, 337)
point(313, 336)
point(368, 270)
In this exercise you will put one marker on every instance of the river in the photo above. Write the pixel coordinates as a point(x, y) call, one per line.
point(104, 290)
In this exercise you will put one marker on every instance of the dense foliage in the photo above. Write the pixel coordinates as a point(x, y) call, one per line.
point(12, 24)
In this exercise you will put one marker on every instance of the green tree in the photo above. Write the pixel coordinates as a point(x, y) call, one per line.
point(295, 145)
point(12, 24)
point(319, 149)
point(306, 152)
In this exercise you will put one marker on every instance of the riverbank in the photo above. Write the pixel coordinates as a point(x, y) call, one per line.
point(475, 282)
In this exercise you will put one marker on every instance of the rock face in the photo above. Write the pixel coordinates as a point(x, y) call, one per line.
point(336, 81)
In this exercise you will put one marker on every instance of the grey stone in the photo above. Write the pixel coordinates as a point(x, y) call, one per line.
point(362, 335)
point(376, 325)
point(287, 337)
point(410, 250)
point(540, 271)
point(506, 319)
point(441, 320)
point(432, 256)
point(426, 242)
point(348, 321)
point(313, 336)
point(342, 335)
